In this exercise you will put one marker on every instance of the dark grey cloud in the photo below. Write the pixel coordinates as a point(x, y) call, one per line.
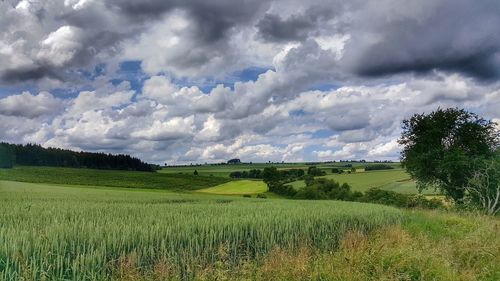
point(104, 26)
point(386, 37)
point(392, 37)
point(214, 18)
point(274, 28)
point(300, 26)
point(480, 65)
point(27, 73)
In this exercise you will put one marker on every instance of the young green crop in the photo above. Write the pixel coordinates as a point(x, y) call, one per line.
point(237, 187)
point(55, 232)
point(129, 179)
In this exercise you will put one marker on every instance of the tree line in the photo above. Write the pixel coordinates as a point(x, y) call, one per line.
point(36, 155)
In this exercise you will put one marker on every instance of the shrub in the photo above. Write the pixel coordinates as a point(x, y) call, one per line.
point(310, 193)
point(391, 198)
point(385, 197)
point(315, 172)
point(282, 189)
point(419, 201)
point(326, 189)
point(378, 167)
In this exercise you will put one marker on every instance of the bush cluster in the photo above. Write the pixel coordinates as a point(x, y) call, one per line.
point(386, 197)
point(327, 189)
point(378, 167)
point(282, 189)
point(322, 189)
point(252, 174)
point(315, 172)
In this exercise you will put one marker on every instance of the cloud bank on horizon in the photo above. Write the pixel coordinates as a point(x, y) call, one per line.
point(204, 81)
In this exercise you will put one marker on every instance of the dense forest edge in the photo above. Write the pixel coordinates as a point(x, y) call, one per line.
point(36, 155)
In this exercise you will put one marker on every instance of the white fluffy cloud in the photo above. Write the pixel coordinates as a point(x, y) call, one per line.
point(337, 77)
point(60, 46)
point(30, 106)
point(164, 122)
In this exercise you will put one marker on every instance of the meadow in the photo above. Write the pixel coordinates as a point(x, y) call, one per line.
point(82, 224)
point(394, 180)
point(92, 177)
point(55, 232)
point(239, 187)
point(60, 232)
point(226, 169)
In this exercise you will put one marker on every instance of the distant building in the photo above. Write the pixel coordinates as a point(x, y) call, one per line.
point(234, 161)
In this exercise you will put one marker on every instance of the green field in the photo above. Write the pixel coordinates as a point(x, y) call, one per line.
point(239, 187)
point(225, 170)
point(395, 180)
point(82, 233)
point(80, 224)
point(129, 179)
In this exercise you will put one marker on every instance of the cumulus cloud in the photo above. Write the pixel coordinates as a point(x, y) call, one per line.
point(337, 77)
point(390, 37)
point(30, 106)
point(199, 38)
point(60, 46)
point(172, 129)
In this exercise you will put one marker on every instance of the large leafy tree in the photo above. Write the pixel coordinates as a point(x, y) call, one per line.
point(439, 148)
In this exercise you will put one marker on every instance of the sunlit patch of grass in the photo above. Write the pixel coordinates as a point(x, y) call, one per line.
point(238, 187)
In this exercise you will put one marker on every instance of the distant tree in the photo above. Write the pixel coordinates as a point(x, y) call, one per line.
point(308, 179)
point(251, 174)
point(195, 172)
point(322, 188)
point(439, 148)
point(270, 174)
point(378, 167)
point(6, 156)
point(234, 161)
point(314, 171)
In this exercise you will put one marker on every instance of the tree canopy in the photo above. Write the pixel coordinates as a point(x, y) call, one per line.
point(440, 147)
point(36, 155)
point(6, 156)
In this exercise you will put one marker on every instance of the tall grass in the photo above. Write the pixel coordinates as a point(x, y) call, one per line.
point(58, 233)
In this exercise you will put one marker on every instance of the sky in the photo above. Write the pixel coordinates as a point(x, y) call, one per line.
point(195, 81)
